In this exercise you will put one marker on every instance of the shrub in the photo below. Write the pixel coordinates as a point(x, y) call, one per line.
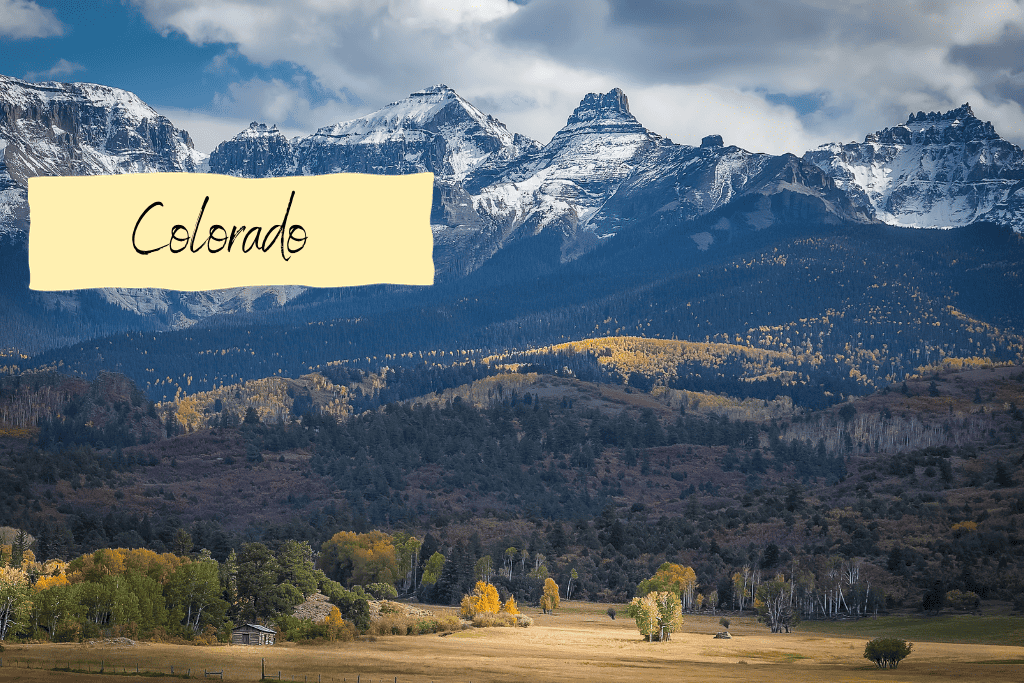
point(887, 653)
point(68, 631)
point(392, 625)
point(353, 606)
point(399, 625)
point(962, 600)
point(299, 630)
point(490, 619)
point(382, 591)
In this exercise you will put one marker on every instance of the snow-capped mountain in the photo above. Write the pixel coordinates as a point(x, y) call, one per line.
point(85, 129)
point(936, 170)
point(602, 173)
point(604, 170)
point(432, 130)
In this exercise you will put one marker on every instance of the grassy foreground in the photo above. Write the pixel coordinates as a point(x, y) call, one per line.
point(578, 643)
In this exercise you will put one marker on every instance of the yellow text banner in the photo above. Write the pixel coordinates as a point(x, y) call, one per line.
point(199, 231)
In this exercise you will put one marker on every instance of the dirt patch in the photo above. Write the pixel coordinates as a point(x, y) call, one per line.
point(315, 608)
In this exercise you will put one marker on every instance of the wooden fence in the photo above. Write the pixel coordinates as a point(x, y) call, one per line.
point(108, 668)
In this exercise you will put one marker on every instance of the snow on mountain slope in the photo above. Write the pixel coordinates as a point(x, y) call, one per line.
point(434, 130)
point(936, 170)
point(566, 182)
point(86, 129)
point(1010, 211)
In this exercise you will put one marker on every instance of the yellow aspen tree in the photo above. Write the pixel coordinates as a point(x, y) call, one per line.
point(510, 606)
point(488, 600)
point(549, 600)
point(335, 623)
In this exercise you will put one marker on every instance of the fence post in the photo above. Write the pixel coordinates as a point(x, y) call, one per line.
point(263, 668)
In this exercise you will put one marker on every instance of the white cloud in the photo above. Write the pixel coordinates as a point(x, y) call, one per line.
point(689, 68)
point(24, 19)
point(281, 102)
point(62, 68)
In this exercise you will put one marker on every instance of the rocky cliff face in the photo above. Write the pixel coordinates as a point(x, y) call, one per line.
point(79, 129)
point(936, 170)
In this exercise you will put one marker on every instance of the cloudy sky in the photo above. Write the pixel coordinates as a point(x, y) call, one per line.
point(772, 75)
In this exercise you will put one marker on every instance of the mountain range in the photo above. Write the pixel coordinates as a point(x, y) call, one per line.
point(497, 193)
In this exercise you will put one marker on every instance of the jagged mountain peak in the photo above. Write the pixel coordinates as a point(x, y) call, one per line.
point(259, 151)
point(605, 116)
point(258, 127)
point(597, 105)
point(937, 128)
point(962, 112)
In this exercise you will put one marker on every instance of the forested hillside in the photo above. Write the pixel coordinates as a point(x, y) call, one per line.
point(913, 486)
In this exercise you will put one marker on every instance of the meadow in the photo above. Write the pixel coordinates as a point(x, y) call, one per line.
point(579, 642)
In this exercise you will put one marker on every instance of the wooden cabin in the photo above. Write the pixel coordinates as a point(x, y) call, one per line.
point(252, 634)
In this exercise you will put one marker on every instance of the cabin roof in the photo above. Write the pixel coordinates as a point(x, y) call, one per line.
point(255, 627)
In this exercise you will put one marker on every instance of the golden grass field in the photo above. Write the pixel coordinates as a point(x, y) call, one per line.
point(578, 643)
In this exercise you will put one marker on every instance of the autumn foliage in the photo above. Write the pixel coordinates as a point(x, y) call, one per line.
point(484, 598)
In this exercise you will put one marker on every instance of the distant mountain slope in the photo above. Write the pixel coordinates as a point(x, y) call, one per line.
point(861, 305)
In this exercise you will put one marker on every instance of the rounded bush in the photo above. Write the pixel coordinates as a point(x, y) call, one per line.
point(887, 653)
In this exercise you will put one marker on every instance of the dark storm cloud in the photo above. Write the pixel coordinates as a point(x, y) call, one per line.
point(1005, 54)
point(673, 41)
point(998, 65)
